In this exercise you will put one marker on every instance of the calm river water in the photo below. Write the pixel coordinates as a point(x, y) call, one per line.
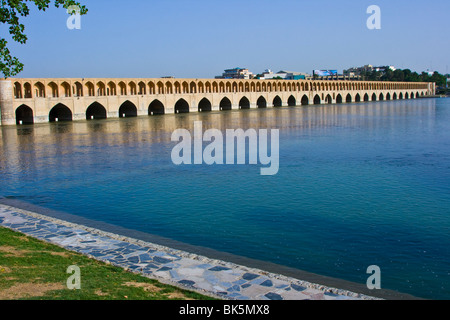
point(358, 185)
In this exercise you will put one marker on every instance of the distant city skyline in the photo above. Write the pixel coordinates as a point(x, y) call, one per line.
point(200, 39)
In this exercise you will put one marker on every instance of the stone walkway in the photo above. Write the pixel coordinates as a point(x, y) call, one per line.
point(193, 272)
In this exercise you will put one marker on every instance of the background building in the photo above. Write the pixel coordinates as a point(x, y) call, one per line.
point(285, 75)
point(236, 73)
point(358, 71)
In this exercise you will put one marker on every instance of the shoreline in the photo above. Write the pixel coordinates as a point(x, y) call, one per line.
point(206, 271)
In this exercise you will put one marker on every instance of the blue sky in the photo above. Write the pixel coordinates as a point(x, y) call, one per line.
point(199, 39)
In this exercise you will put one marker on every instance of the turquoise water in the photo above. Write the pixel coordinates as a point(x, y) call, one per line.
point(358, 185)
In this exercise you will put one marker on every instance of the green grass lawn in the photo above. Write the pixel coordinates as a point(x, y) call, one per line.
point(35, 270)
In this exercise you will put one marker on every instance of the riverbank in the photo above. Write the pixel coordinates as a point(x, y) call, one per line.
point(185, 270)
point(32, 269)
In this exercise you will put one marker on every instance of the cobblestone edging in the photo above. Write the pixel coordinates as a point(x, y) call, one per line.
point(186, 270)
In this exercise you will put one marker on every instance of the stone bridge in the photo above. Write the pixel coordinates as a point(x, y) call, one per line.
point(29, 101)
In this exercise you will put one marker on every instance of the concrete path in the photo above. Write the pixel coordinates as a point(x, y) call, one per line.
point(189, 271)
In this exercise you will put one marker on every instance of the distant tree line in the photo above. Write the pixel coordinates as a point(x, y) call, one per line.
point(405, 75)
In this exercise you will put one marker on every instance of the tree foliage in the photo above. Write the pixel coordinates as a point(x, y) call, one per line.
point(405, 75)
point(10, 13)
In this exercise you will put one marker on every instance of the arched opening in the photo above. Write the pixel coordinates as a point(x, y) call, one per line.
point(366, 97)
point(394, 96)
point(18, 90)
point(262, 103)
point(305, 100)
point(348, 99)
point(133, 88)
point(244, 103)
point(95, 112)
point(122, 89)
point(90, 89)
point(27, 89)
point(317, 99)
point(277, 102)
point(101, 89)
point(388, 96)
point(24, 115)
point(381, 97)
point(156, 108)
point(412, 95)
point(66, 89)
point(339, 99)
point(182, 106)
point(292, 102)
point(127, 109)
point(142, 88)
point(204, 105)
point(111, 89)
point(225, 104)
point(374, 97)
point(400, 96)
point(54, 92)
point(39, 90)
point(357, 98)
point(60, 113)
point(78, 89)
point(407, 95)
point(328, 99)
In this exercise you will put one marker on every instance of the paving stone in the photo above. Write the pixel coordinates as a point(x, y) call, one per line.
point(250, 276)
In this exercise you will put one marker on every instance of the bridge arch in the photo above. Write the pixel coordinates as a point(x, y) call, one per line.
point(60, 112)
point(127, 109)
point(96, 111)
point(204, 105)
point(156, 108)
point(366, 97)
point(277, 102)
point(244, 103)
point(374, 97)
point(358, 98)
point(339, 98)
point(317, 99)
point(388, 96)
point(225, 104)
point(292, 102)
point(329, 99)
point(24, 115)
point(262, 103)
point(348, 98)
point(305, 100)
point(181, 106)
